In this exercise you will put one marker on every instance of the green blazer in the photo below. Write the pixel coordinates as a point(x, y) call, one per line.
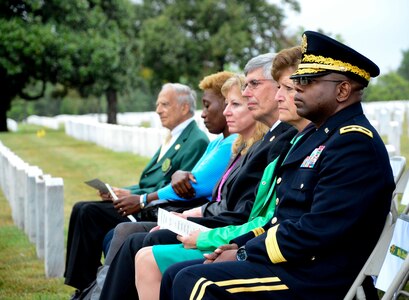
point(182, 155)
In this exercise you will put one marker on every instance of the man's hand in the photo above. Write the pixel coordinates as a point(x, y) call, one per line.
point(181, 184)
point(128, 205)
point(223, 253)
point(105, 196)
point(189, 241)
point(121, 192)
point(118, 192)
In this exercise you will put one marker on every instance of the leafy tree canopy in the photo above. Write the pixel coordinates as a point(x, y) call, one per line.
point(403, 69)
point(188, 39)
point(390, 86)
point(87, 45)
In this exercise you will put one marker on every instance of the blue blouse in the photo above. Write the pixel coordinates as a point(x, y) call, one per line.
point(207, 170)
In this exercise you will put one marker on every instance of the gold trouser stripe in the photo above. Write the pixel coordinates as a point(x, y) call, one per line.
point(204, 283)
point(259, 288)
point(247, 281)
point(194, 290)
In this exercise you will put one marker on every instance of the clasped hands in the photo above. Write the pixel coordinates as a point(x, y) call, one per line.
point(223, 253)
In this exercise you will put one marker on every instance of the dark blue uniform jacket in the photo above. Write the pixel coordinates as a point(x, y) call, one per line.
point(333, 194)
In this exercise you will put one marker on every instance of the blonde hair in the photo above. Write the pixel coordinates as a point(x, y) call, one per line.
point(235, 80)
point(215, 82)
point(240, 145)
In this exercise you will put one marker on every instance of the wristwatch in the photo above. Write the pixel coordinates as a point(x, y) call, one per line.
point(241, 254)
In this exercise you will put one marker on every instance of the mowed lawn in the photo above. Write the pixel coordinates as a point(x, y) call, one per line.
point(22, 274)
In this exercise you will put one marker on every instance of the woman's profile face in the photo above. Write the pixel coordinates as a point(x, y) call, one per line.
point(212, 114)
point(285, 98)
point(238, 117)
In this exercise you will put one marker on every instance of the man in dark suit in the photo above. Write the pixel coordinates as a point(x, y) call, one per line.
point(333, 195)
point(260, 90)
point(91, 220)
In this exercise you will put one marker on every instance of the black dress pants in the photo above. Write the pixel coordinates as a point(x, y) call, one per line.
point(120, 280)
point(89, 223)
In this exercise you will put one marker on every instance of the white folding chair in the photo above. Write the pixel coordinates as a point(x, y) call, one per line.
point(398, 165)
point(374, 262)
point(397, 287)
point(398, 284)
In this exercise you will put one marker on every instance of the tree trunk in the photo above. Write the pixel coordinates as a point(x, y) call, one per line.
point(4, 107)
point(3, 121)
point(112, 106)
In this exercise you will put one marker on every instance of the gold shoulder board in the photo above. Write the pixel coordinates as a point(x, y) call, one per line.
point(356, 128)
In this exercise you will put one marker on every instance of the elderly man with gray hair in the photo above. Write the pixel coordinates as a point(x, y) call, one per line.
point(91, 220)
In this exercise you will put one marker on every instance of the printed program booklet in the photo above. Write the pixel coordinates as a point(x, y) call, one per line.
point(181, 226)
point(106, 188)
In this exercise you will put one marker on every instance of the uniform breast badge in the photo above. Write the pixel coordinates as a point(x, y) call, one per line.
point(310, 160)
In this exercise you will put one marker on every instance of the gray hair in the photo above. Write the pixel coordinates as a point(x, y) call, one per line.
point(184, 94)
point(264, 61)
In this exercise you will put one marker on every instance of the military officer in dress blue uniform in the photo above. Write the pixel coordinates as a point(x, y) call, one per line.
point(333, 195)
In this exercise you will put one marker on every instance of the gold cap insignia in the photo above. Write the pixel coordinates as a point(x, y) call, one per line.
point(304, 43)
point(166, 165)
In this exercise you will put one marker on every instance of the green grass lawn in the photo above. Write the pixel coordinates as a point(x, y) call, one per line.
point(22, 274)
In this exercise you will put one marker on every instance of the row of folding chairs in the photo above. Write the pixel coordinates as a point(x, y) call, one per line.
point(373, 265)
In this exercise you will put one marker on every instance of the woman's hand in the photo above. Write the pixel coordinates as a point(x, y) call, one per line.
point(189, 241)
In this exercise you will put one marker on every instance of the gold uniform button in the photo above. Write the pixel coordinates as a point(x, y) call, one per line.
point(302, 186)
point(279, 180)
point(263, 183)
point(274, 220)
point(313, 258)
point(277, 201)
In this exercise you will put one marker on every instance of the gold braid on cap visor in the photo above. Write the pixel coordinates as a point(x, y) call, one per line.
point(314, 64)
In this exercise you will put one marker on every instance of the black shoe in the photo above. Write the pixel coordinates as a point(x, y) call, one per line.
point(76, 295)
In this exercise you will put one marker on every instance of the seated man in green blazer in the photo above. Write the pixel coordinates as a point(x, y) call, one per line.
point(91, 220)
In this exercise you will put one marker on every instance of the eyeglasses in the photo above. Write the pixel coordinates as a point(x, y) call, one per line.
point(307, 80)
point(254, 83)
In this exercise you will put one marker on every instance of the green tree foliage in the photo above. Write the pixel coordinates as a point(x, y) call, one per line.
point(403, 69)
point(390, 86)
point(86, 45)
point(184, 40)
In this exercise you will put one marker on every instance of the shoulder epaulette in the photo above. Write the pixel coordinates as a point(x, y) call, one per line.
point(356, 128)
